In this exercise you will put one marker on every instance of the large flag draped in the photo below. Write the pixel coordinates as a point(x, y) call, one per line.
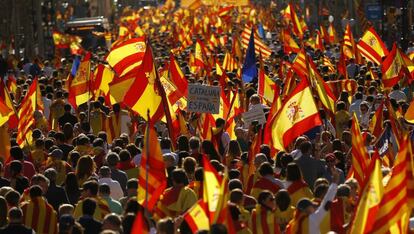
point(298, 115)
point(360, 157)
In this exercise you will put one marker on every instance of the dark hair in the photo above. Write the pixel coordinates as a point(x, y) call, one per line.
point(293, 172)
point(124, 155)
point(104, 189)
point(179, 176)
point(71, 182)
point(210, 150)
point(92, 186)
point(283, 199)
point(165, 143)
point(199, 174)
point(59, 136)
point(320, 190)
point(13, 198)
point(194, 143)
point(263, 195)
point(305, 147)
point(67, 107)
point(220, 122)
point(182, 143)
point(234, 174)
point(132, 183)
point(236, 195)
point(235, 184)
point(265, 169)
point(16, 153)
point(88, 206)
point(35, 191)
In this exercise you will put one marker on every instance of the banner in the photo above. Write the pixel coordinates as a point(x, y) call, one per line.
point(203, 98)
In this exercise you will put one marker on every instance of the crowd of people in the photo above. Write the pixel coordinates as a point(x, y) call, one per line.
point(71, 178)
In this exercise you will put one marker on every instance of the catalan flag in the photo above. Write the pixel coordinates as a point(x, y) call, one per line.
point(40, 216)
point(325, 94)
point(349, 46)
point(360, 157)
point(79, 86)
point(259, 45)
point(299, 65)
point(142, 95)
point(372, 47)
point(398, 193)
point(26, 114)
point(127, 55)
point(298, 115)
point(369, 200)
point(151, 179)
point(229, 63)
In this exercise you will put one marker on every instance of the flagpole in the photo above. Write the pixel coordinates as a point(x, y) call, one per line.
point(147, 132)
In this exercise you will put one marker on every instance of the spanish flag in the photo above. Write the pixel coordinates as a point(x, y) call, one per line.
point(79, 86)
point(298, 115)
point(197, 218)
point(360, 157)
point(332, 34)
point(372, 47)
point(6, 105)
point(127, 55)
point(266, 87)
point(394, 65)
point(143, 94)
point(151, 179)
point(211, 190)
point(199, 55)
point(177, 76)
point(289, 44)
point(103, 75)
point(290, 15)
point(368, 204)
point(375, 125)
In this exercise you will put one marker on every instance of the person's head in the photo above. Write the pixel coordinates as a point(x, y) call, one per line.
point(254, 99)
point(88, 206)
point(293, 172)
point(359, 96)
point(71, 182)
point(234, 149)
point(16, 153)
point(104, 190)
point(330, 160)
point(236, 196)
point(169, 160)
point(320, 190)
point(35, 192)
point(306, 148)
point(15, 215)
point(165, 144)
point(189, 166)
point(12, 198)
point(267, 200)
point(165, 226)
point(282, 199)
point(194, 143)
point(364, 107)
point(105, 172)
point(112, 159)
point(179, 178)
point(266, 169)
point(60, 138)
point(90, 188)
point(41, 180)
point(132, 186)
point(116, 108)
point(51, 174)
point(259, 160)
point(66, 209)
point(3, 211)
point(220, 122)
point(182, 143)
point(353, 185)
point(66, 223)
point(85, 167)
point(343, 191)
point(234, 174)
point(305, 206)
point(340, 106)
point(16, 168)
point(67, 108)
point(112, 222)
point(199, 174)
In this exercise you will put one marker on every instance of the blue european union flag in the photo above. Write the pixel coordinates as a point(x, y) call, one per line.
point(75, 66)
point(261, 31)
point(249, 70)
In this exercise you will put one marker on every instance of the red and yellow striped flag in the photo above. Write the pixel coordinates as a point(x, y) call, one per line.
point(375, 126)
point(290, 15)
point(152, 167)
point(289, 44)
point(26, 114)
point(229, 63)
point(40, 216)
point(324, 92)
point(360, 157)
point(332, 34)
point(177, 76)
point(372, 47)
point(399, 192)
point(393, 67)
point(299, 65)
point(127, 56)
point(259, 45)
point(368, 203)
point(349, 46)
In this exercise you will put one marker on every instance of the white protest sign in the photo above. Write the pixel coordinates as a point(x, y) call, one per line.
point(203, 98)
point(256, 113)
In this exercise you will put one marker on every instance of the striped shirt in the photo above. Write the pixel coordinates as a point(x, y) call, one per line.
point(40, 216)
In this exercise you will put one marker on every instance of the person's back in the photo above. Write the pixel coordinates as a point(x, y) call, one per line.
point(87, 221)
point(310, 167)
point(15, 225)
